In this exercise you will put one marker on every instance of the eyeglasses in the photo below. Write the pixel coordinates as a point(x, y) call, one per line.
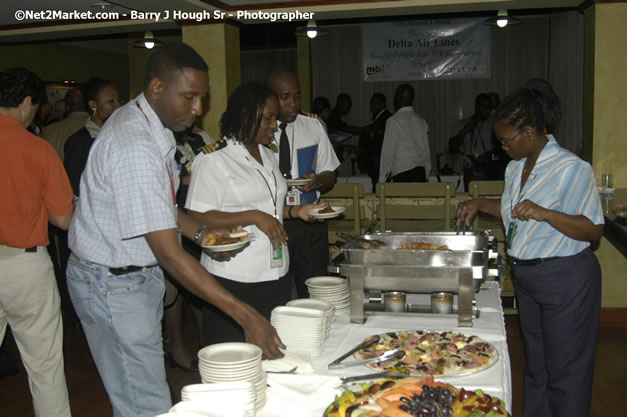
point(509, 142)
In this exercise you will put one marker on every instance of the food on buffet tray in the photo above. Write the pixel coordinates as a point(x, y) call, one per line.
point(414, 397)
point(422, 246)
point(220, 240)
point(433, 353)
point(621, 210)
point(327, 209)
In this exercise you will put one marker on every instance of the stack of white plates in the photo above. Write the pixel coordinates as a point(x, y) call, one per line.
point(300, 329)
point(333, 290)
point(313, 304)
point(229, 362)
point(229, 399)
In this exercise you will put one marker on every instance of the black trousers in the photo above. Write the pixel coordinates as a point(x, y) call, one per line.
point(416, 174)
point(559, 305)
point(262, 296)
point(308, 244)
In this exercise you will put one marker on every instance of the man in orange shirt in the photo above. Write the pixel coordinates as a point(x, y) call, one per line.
point(35, 190)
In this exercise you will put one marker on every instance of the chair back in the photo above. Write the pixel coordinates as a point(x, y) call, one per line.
point(431, 211)
point(350, 196)
point(486, 189)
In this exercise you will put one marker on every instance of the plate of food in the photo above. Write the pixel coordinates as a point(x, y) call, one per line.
point(409, 397)
point(298, 181)
point(440, 353)
point(328, 212)
point(224, 243)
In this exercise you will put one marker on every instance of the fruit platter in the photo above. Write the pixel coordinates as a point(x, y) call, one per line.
point(414, 397)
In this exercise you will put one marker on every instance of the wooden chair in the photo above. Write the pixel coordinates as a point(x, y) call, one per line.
point(487, 189)
point(434, 216)
point(352, 220)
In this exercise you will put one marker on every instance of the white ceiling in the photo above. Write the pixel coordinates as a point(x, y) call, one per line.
point(12, 30)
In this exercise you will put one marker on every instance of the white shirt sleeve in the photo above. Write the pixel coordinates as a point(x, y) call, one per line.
point(388, 150)
point(326, 157)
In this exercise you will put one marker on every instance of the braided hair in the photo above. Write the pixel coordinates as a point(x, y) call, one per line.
point(551, 105)
point(524, 107)
point(244, 111)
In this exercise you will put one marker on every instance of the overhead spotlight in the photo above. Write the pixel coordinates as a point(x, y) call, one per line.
point(502, 19)
point(311, 31)
point(101, 5)
point(148, 41)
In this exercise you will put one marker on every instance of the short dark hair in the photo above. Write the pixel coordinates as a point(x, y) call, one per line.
point(244, 111)
point(378, 97)
point(484, 97)
point(93, 87)
point(522, 108)
point(18, 83)
point(343, 98)
point(404, 95)
point(551, 105)
point(170, 59)
point(319, 104)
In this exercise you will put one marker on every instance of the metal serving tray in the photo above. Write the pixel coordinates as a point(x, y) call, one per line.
point(469, 251)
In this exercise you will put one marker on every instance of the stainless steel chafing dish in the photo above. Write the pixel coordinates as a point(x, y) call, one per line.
point(459, 270)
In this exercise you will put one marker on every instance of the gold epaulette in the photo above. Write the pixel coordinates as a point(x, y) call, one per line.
point(312, 115)
point(272, 147)
point(215, 146)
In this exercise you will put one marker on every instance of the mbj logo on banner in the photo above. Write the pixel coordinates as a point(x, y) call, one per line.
point(426, 49)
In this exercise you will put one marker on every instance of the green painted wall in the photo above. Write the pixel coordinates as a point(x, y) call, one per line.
point(57, 62)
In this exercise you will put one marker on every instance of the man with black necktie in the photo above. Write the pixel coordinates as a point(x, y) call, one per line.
point(305, 151)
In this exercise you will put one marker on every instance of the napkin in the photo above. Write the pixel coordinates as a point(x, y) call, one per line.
point(299, 395)
point(300, 360)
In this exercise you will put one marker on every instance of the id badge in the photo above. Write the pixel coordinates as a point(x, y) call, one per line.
point(511, 232)
point(276, 256)
point(292, 198)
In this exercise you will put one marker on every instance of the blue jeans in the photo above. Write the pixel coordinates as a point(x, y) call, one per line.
point(121, 316)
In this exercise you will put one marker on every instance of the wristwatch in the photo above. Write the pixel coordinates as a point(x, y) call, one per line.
point(198, 233)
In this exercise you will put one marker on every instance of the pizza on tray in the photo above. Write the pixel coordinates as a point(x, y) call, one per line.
point(432, 353)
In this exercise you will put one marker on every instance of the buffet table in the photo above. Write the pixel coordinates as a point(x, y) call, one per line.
point(345, 335)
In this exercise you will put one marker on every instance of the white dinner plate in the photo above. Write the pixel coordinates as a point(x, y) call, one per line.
point(233, 353)
point(298, 181)
point(326, 282)
point(225, 248)
point(315, 212)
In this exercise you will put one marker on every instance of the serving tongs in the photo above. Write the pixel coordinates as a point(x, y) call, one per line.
point(362, 242)
point(396, 354)
point(399, 373)
point(461, 227)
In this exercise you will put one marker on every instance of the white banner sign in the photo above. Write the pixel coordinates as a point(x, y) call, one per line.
point(426, 49)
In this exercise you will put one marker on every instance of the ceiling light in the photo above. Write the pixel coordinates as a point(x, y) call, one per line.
point(502, 19)
point(101, 5)
point(311, 31)
point(148, 41)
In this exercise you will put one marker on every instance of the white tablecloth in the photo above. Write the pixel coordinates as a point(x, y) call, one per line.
point(458, 180)
point(364, 180)
point(345, 335)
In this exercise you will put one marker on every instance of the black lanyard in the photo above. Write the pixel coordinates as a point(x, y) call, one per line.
point(273, 197)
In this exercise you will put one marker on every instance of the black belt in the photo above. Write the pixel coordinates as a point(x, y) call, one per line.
point(532, 262)
point(31, 250)
point(127, 269)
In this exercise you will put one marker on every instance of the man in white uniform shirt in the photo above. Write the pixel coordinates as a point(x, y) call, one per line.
point(405, 156)
point(305, 151)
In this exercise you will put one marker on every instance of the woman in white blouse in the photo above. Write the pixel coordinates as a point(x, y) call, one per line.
point(238, 182)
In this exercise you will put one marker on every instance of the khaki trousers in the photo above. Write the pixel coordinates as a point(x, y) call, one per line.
point(30, 304)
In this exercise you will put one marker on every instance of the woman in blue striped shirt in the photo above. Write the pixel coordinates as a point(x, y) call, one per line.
point(552, 212)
